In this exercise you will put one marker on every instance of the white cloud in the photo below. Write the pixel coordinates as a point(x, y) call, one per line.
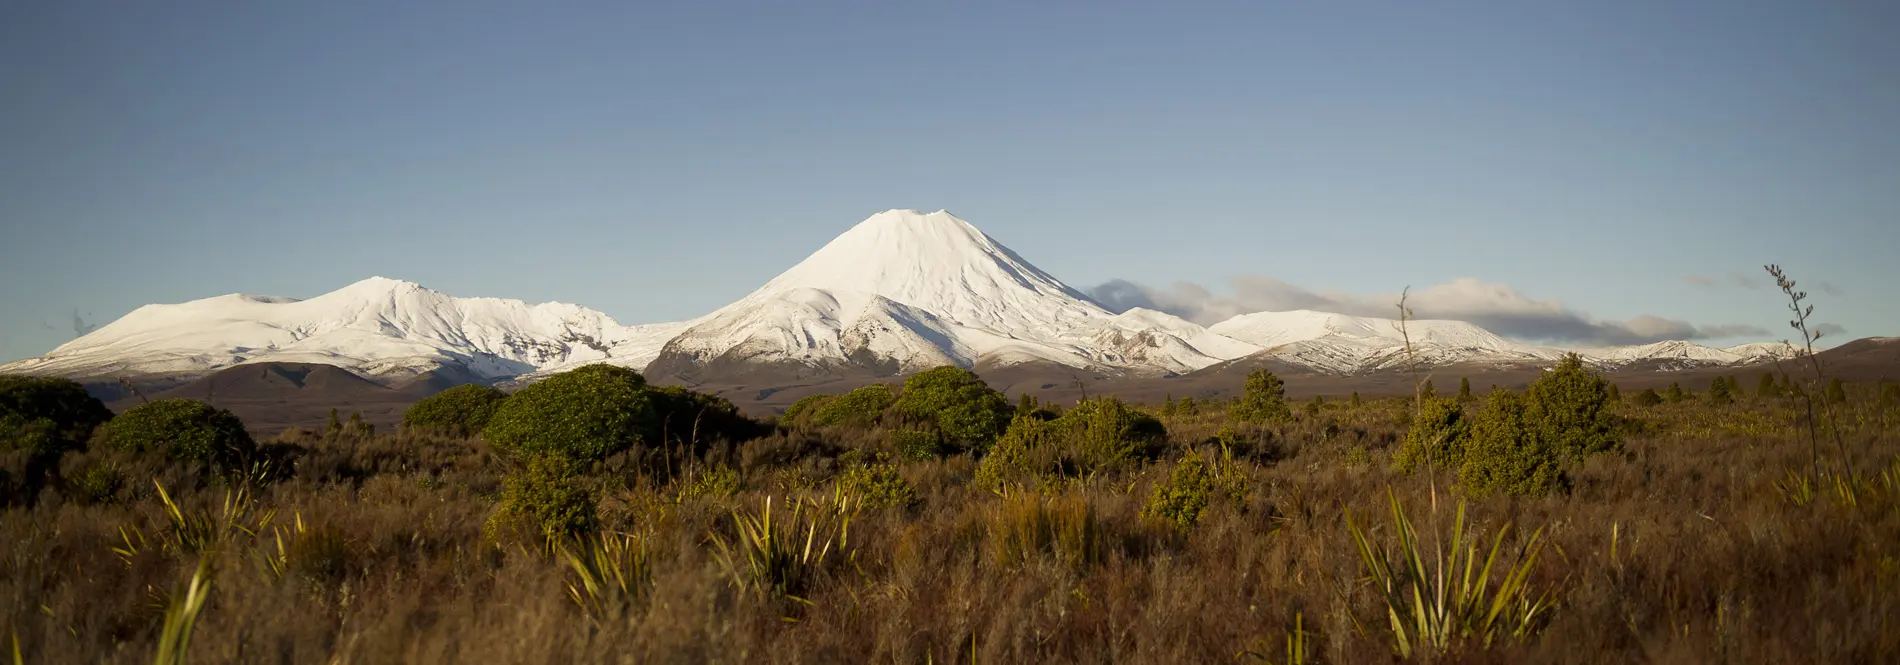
point(1495, 307)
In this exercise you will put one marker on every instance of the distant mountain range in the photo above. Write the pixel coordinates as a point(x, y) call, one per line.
point(900, 292)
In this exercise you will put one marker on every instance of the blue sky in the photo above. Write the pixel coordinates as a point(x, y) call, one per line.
point(1601, 161)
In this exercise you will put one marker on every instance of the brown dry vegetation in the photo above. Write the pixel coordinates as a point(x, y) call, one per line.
point(1694, 543)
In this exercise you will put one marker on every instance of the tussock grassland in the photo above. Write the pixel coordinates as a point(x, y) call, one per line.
point(1709, 535)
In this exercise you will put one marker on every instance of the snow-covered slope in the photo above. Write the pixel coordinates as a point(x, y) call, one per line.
point(378, 326)
point(905, 290)
point(899, 292)
point(1342, 344)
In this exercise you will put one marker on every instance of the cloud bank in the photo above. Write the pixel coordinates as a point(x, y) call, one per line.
point(1495, 307)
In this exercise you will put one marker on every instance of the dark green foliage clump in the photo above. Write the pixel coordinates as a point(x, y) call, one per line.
point(1649, 397)
point(41, 419)
point(1674, 393)
point(1428, 391)
point(964, 408)
point(694, 418)
point(1008, 460)
point(1889, 392)
point(69, 412)
point(1517, 444)
point(460, 411)
point(1104, 433)
point(585, 414)
point(1836, 394)
point(185, 430)
point(1719, 393)
point(1264, 400)
point(1437, 436)
point(1183, 498)
point(878, 485)
point(547, 498)
point(918, 445)
point(800, 412)
point(858, 407)
point(1569, 406)
point(1464, 390)
point(1616, 394)
point(1508, 452)
point(1766, 388)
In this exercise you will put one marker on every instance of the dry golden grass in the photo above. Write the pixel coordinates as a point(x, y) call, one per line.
point(1690, 545)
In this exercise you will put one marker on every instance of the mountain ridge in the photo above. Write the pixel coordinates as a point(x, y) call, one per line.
point(899, 292)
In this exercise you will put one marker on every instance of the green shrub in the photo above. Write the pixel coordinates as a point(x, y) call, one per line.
point(688, 417)
point(962, 406)
point(1183, 498)
point(1570, 407)
point(585, 414)
point(40, 420)
point(1674, 393)
point(1008, 461)
point(72, 411)
point(1105, 433)
point(800, 412)
point(1648, 397)
point(719, 482)
point(1507, 453)
point(460, 411)
point(877, 485)
point(1264, 400)
point(1890, 392)
point(1718, 393)
point(546, 498)
point(1765, 388)
point(1464, 390)
point(858, 407)
point(36, 437)
point(185, 430)
point(917, 444)
point(1836, 394)
point(1438, 435)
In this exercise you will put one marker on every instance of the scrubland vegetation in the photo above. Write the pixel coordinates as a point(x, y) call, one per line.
point(594, 518)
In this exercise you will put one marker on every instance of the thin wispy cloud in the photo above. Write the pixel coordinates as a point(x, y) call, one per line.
point(1740, 280)
point(1499, 308)
point(1731, 280)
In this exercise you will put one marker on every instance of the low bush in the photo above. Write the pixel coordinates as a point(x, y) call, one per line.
point(858, 407)
point(543, 502)
point(1437, 436)
point(585, 415)
point(801, 411)
point(1264, 400)
point(1104, 433)
point(1570, 408)
point(877, 485)
point(1508, 452)
point(185, 430)
point(697, 419)
point(917, 445)
point(460, 411)
point(1184, 497)
point(961, 406)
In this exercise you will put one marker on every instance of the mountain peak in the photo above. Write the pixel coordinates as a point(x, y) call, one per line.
point(379, 283)
point(940, 263)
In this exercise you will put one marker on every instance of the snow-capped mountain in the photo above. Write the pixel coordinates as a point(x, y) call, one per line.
point(905, 290)
point(378, 327)
point(899, 292)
